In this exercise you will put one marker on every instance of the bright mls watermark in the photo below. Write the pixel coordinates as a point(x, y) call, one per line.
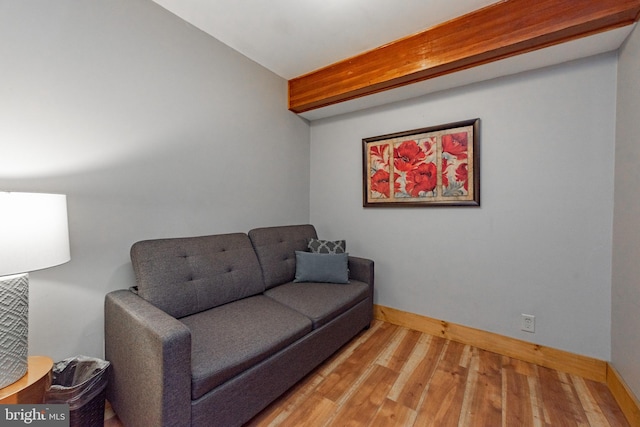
point(34, 415)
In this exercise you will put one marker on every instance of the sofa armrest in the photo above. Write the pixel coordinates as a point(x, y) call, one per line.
point(362, 269)
point(150, 354)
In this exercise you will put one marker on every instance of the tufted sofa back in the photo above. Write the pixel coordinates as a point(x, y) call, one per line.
point(183, 276)
point(276, 249)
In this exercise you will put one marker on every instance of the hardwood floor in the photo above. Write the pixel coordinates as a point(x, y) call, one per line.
point(393, 376)
point(110, 417)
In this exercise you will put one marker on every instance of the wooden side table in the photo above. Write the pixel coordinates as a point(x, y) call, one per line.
point(32, 386)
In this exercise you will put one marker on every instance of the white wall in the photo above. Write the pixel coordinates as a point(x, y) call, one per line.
point(625, 335)
point(541, 241)
point(152, 129)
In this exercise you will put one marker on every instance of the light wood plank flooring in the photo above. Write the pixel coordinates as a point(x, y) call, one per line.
point(394, 376)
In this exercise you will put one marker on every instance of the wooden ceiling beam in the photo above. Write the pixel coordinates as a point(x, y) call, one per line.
point(498, 31)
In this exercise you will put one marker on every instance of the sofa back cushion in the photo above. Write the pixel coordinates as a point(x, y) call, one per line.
point(276, 249)
point(184, 276)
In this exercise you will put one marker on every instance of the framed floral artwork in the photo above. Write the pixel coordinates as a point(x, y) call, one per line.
point(434, 166)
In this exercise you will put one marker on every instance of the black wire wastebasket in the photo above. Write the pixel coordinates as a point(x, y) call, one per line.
point(80, 382)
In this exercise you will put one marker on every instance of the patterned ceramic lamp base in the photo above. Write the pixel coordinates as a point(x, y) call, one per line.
point(14, 328)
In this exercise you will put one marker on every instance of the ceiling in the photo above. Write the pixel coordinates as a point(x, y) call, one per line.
point(294, 37)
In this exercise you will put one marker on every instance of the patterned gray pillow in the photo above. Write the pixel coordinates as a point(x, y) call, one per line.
point(317, 246)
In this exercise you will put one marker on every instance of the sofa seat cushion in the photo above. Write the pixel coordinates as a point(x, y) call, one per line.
point(321, 302)
point(228, 339)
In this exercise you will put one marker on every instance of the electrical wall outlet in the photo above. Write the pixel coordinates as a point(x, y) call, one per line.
point(528, 323)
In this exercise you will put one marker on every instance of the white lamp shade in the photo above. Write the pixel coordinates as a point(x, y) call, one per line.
point(34, 232)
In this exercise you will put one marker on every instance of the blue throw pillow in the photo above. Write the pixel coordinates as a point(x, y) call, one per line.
point(329, 268)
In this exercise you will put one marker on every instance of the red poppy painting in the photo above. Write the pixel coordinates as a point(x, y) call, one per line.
point(415, 168)
point(424, 167)
point(379, 165)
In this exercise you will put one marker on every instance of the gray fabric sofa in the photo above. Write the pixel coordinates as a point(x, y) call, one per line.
point(218, 328)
